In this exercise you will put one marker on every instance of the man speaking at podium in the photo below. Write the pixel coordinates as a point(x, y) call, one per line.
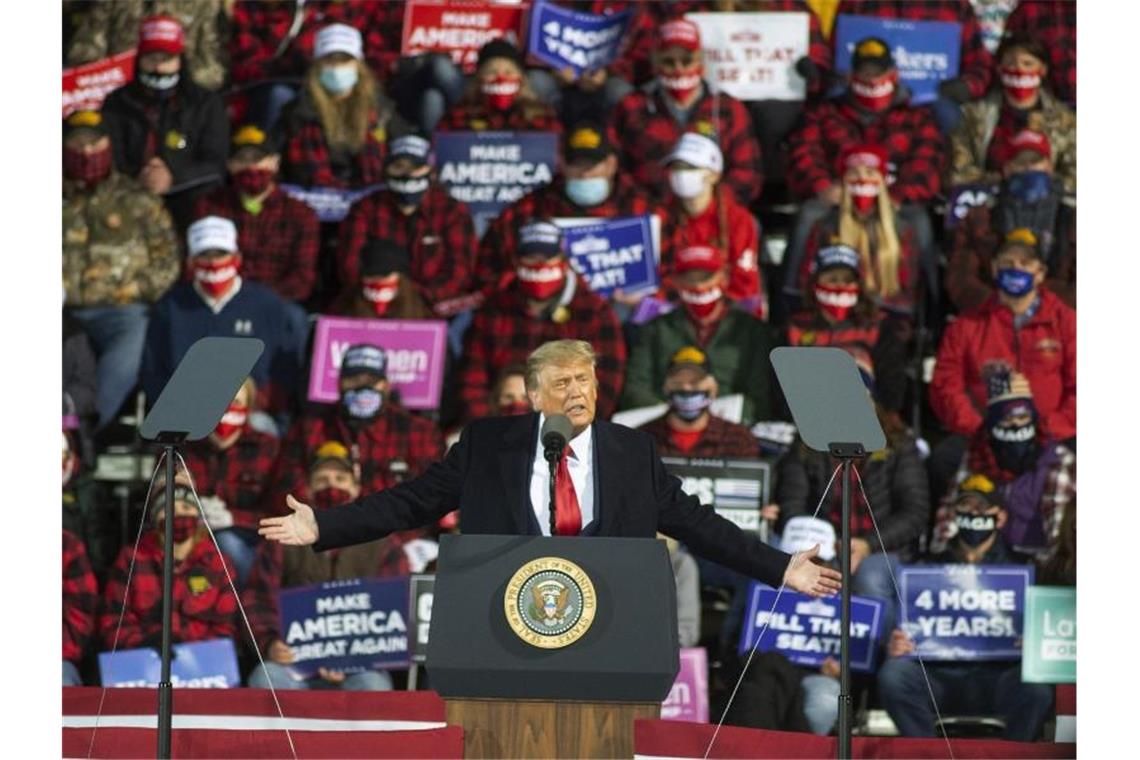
point(609, 482)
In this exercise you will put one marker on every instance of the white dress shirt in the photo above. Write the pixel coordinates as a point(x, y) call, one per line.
point(581, 467)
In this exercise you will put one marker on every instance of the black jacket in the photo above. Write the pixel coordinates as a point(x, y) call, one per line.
point(487, 475)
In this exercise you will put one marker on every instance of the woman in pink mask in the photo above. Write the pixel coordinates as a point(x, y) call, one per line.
point(499, 98)
point(867, 221)
point(1020, 100)
point(386, 289)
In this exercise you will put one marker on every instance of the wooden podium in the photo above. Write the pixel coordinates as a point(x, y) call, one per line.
point(576, 690)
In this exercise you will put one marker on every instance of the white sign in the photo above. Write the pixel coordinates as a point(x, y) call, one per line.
point(752, 56)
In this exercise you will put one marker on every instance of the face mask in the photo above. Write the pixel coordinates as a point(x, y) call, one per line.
point(184, 528)
point(1015, 447)
point(687, 183)
point(587, 191)
point(1014, 282)
point(681, 86)
point(338, 79)
point(837, 301)
point(362, 404)
point(864, 195)
point(514, 408)
point(689, 405)
point(874, 94)
point(543, 281)
point(253, 182)
point(160, 85)
point(232, 421)
point(1020, 85)
point(215, 278)
point(88, 168)
point(700, 303)
point(1029, 187)
point(409, 190)
point(380, 292)
point(329, 497)
point(501, 91)
point(973, 530)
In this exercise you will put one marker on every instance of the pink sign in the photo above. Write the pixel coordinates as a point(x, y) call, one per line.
point(688, 700)
point(415, 349)
point(84, 87)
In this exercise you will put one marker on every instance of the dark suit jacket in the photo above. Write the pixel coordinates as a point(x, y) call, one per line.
point(487, 475)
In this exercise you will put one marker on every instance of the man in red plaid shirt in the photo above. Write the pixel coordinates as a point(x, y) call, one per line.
point(649, 123)
point(1054, 24)
point(279, 236)
point(80, 606)
point(543, 300)
point(418, 213)
point(204, 604)
point(333, 479)
point(588, 186)
point(388, 443)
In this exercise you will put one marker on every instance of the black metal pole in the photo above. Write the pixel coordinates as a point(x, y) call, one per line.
point(553, 477)
point(165, 689)
point(845, 619)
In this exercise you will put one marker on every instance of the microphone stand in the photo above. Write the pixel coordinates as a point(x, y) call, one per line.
point(552, 456)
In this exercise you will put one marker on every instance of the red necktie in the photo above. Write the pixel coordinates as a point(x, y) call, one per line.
point(567, 516)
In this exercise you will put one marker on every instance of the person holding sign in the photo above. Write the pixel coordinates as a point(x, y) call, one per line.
point(499, 98)
point(544, 300)
point(333, 479)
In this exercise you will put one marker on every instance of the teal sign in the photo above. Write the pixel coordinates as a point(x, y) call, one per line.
point(1050, 645)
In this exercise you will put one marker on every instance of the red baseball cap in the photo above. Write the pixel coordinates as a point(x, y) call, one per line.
point(1025, 139)
point(161, 34)
point(702, 257)
point(680, 32)
point(862, 154)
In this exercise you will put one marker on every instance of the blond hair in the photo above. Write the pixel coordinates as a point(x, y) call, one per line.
point(345, 122)
point(877, 242)
point(557, 353)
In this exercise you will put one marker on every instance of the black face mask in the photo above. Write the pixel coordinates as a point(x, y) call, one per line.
point(409, 190)
point(973, 530)
point(1015, 447)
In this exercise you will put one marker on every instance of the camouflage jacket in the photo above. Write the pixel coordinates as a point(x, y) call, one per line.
point(970, 140)
point(116, 236)
point(110, 28)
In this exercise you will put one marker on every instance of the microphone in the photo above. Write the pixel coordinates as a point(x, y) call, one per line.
point(556, 431)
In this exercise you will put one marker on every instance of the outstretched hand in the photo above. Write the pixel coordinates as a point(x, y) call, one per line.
point(296, 529)
point(805, 576)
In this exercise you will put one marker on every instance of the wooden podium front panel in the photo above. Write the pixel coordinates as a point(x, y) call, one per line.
point(500, 728)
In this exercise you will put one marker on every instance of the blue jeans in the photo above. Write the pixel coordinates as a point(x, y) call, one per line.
point(268, 99)
point(948, 114)
point(239, 545)
point(370, 680)
point(873, 579)
point(71, 674)
point(118, 333)
point(425, 86)
point(821, 702)
point(986, 688)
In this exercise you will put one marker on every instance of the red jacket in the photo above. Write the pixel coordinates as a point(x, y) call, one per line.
point(1044, 350)
point(741, 235)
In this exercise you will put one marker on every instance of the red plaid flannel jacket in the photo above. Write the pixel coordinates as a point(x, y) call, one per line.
point(306, 160)
point(239, 475)
point(721, 439)
point(80, 598)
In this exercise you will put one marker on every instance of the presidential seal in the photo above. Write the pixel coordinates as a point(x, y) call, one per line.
point(550, 603)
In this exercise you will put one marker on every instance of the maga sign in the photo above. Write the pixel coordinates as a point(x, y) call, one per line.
point(752, 56)
point(964, 612)
point(688, 700)
point(611, 254)
point(210, 664)
point(85, 87)
point(735, 488)
point(579, 41)
point(351, 626)
point(459, 27)
point(925, 52)
point(415, 349)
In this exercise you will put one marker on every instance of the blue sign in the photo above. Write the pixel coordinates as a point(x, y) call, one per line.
point(926, 52)
point(569, 39)
point(331, 203)
point(208, 664)
point(807, 630)
point(350, 626)
point(965, 198)
point(613, 253)
point(965, 612)
point(491, 170)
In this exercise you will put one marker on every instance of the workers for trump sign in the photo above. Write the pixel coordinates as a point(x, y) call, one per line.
point(210, 664)
point(925, 52)
point(752, 56)
point(459, 28)
point(567, 39)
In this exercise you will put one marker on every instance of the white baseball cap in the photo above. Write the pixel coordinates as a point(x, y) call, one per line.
point(211, 233)
point(803, 532)
point(697, 150)
point(339, 38)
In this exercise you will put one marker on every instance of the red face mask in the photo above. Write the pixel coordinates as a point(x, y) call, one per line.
point(329, 497)
point(543, 281)
point(185, 526)
point(700, 302)
point(215, 277)
point(380, 292)
point(864, 195)
point(514, 408)
point(875, 93)
point(682, 84)
point(232, 421)
point(88, 168)
point(501, 91)
point(837, 301)
point(1020, 85)
point(252, 182)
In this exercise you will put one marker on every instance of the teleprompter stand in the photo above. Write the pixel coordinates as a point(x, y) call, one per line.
point(834, 413)
point(189, 407)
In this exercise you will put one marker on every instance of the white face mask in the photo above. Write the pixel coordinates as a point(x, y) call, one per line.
point(687, 183)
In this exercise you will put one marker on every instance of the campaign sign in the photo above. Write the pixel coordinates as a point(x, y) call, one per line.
point(925, 52)
point(964, 612)
point(332, 204)
point(415, 348)
point(688, 700)
point(565, 39)
point(1050, 647)
point(619, 253)
point(459, 27)
point(807, 630)
point(735, 488)
point(351, 626)
point(966, 198)
point(210, 664)
point(420, 596)
point(85, 87)
point(491, 170)
point(752, 56)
